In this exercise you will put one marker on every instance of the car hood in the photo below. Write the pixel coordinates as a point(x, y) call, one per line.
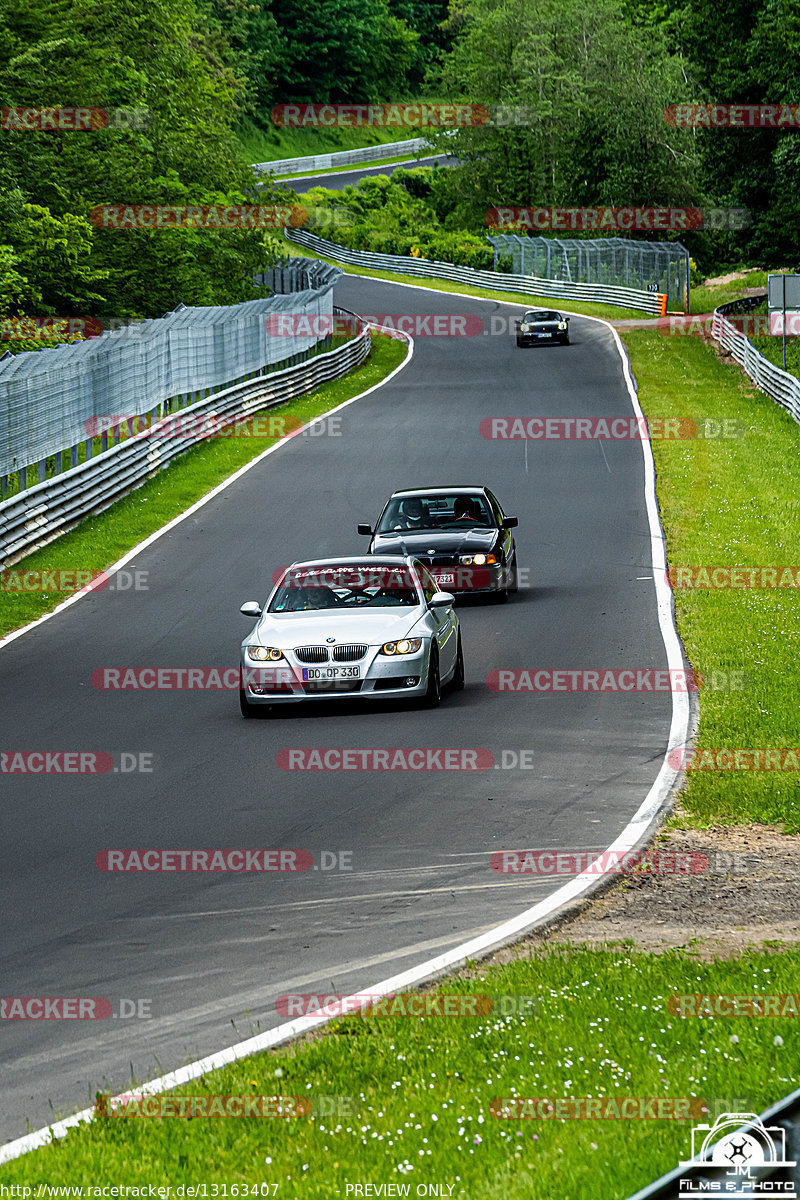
point(440, 541)
point(373, 626)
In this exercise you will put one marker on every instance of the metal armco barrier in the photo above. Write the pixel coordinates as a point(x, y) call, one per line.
point(43, 512)
point(651, 302)
point(342, 158)
point(706, 1179)
point(49, 396)
point(778, 384)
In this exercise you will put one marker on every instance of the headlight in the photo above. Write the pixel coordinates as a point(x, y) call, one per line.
point(478, 559)
point(562, 324)
point(264, 653)
point(524, 328)
point(404, 646)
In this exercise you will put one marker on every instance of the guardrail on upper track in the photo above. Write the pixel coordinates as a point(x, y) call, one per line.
point(652, 302)
point(343, 158)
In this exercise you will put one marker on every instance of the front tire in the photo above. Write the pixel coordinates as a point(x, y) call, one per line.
point(513, 580)
point(433, 693)
point(245, 707)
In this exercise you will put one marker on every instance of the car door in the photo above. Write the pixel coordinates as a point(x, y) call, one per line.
point(444, 621)
point(508, 544)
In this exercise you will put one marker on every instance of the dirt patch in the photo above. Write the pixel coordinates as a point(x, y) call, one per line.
point(748, 895)
point(719, 280)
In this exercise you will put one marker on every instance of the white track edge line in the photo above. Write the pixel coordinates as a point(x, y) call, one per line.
point(220, 487)
point(633, 833)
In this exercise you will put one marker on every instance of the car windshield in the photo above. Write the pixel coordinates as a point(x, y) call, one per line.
point(458, 510)
point(541, 315)
point(345, 588)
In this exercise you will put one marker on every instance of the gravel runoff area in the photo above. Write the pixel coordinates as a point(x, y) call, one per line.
point(748, 896)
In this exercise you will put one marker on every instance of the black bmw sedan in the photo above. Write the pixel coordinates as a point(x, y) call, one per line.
point(460, 533)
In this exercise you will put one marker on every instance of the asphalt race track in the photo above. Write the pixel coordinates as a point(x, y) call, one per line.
point(349, 176)
point(211, 953)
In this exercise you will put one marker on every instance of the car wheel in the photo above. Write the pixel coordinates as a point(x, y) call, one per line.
point(513, 580)
point(433, 693)
point(565, 340)
point(520, 342)
point(247, 709)
point(458, 674)
point(501, 596)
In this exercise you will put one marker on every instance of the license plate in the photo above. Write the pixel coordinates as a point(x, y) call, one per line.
point(315, 674)
point(543, 335)
point(445, 578)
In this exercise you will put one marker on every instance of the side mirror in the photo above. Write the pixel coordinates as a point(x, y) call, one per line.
point(442, 600)
point(510, 522)
point(251, 609)
point(365, 529)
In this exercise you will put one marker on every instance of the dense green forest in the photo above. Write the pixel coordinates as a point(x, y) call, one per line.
point(593, 79)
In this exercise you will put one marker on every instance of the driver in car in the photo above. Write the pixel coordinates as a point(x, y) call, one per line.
point(412, 515)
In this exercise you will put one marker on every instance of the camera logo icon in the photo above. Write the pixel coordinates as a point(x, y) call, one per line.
point(740, 1143)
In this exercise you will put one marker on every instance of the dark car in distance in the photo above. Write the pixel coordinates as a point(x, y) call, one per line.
point(542, 325)
point(460, 533)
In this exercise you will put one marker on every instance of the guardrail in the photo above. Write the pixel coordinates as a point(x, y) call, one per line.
point(43, 512)
point(343, 158)
point(652, 302)
point(49, 396)
point(716, 1180)
point(778, 384)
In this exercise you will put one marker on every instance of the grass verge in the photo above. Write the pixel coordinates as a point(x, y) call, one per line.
point(265, 145)
point(378, 162)
point(730, 501)
point(408, 1100)
point(100, 541)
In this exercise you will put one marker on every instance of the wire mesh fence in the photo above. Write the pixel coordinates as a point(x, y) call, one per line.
point(51, 399)
point(650, 266)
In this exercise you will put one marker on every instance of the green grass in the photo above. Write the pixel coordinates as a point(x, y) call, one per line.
point(730, 502)
point(706, 299)
point(420, 1089)
point(262, 145)
point(100, 541)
